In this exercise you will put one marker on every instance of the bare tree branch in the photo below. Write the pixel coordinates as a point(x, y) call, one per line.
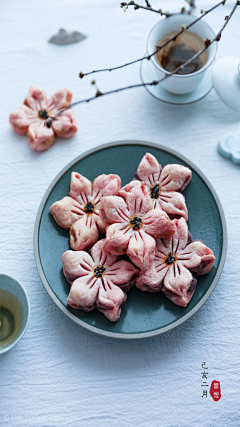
point(98, 94)
point(206, 12)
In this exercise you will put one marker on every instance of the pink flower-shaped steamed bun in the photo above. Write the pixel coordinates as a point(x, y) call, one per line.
point(164, 185)
point(134, 226)
point(98, 280)
point(32, 118)
point(79, 212)
point(177, 262)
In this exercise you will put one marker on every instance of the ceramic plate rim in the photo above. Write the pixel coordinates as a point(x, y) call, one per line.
point(118, 334)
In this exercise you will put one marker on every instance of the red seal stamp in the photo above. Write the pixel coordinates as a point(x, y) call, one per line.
point(215, 390)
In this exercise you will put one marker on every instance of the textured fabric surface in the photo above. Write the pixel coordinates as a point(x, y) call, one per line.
point(60, 374)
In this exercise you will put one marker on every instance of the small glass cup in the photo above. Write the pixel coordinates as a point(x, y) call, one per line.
point(14, 312)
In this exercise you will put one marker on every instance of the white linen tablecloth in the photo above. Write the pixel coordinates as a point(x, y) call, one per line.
point(60, 374)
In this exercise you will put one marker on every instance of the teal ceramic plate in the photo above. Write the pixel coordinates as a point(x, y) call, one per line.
point(143, 314)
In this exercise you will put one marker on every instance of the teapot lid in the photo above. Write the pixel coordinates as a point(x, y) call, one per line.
point(226, 81)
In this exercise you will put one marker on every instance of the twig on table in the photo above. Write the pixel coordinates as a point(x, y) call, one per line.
point(137, 6)
point(158, 48)
point(208, 43)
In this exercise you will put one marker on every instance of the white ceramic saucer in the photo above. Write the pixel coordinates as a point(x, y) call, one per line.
point(147, 75)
